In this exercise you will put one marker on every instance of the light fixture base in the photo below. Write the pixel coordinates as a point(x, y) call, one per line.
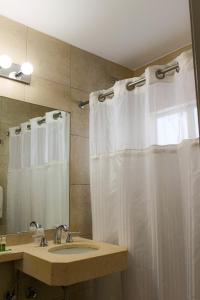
point(12, 71)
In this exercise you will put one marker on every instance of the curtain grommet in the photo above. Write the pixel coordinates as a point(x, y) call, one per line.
point(160, 74)
point(101, 98)
point(130, 86)
point(177, 69)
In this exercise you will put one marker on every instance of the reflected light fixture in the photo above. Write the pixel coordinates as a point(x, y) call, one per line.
point(5, 61)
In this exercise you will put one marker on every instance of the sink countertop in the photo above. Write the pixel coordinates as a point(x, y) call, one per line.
point(55, 269)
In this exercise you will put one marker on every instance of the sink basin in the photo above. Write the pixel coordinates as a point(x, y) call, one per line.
point(72, 249)
point(70, 263)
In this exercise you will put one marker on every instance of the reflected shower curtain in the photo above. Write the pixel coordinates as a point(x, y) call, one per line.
point(145, 184)
point(38, 173)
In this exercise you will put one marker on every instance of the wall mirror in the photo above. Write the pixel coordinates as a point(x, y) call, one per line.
point(34, 166)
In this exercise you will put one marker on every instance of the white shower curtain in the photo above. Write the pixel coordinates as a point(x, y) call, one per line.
point(145, 183)
point(38, 173)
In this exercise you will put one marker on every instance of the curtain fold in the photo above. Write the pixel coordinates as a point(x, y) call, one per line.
point(145, 182)
point(38, 173)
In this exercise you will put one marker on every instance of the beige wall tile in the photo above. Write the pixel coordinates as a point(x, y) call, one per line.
point(50, 57)
point(117, 72)
point(80, 209)
point(90, 72)
point(79, 160)
point(12, 89)
point(87, 70)
point(12, 107)
point(79, 117)
point(39, 110)
point(47, 93)
point(13, 39)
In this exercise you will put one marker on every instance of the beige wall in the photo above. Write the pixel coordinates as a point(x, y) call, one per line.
point(162, 60)
point(63, 75)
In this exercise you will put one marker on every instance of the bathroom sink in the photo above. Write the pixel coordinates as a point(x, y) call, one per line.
point(72, 249)
point(69, 263)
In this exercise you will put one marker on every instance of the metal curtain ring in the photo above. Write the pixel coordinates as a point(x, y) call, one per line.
point(130, 86)
point(101, 98)
point(160, 74)
point(177, 69)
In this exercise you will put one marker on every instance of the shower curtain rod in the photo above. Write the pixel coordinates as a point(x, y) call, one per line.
point(160, 74)
point(43, 120)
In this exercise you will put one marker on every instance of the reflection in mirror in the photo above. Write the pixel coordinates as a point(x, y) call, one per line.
point(34, 166)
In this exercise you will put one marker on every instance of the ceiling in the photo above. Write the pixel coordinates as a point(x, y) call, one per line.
point(129, 32)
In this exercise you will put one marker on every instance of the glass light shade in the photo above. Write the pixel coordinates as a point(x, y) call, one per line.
point(27, 68)
point(5, 61)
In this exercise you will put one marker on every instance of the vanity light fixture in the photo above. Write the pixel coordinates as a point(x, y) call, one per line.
point(20, 73)
point(26, 69)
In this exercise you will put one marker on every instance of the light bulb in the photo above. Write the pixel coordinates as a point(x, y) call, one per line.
point(5, 61)
point(27, 68)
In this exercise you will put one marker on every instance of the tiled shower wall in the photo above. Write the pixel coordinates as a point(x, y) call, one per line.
point(63, 75)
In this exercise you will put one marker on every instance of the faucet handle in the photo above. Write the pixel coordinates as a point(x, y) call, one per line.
point(69, 238)
point(64, 227)
point(43, 242)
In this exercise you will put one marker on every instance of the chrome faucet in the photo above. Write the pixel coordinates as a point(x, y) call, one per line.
point(69, 238)
point(70, 234)
point(58, 234)
point(43, 239)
